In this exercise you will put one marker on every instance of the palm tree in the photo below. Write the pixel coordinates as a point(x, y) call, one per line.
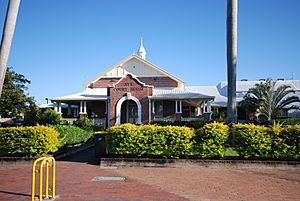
point(7, 36)
point(270, 100)
point(231, 59)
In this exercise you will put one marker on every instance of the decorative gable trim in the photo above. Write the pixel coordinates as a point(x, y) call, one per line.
point(128, 59)
point(134, 78)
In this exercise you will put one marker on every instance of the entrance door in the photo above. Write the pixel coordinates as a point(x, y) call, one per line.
point(129, 112)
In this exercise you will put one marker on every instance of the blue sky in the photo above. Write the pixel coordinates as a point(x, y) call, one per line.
point(60, 44)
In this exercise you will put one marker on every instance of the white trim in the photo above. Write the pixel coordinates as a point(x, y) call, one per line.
point(132, 77)
point(178, 110)
point(128, 59)
point(119, 105)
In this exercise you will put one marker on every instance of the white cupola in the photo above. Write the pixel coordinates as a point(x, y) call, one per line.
point(142, 52)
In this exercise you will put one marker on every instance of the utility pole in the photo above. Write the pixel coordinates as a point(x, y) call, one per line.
point(7, 37)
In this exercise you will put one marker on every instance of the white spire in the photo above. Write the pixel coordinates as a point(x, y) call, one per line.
point(142, 52)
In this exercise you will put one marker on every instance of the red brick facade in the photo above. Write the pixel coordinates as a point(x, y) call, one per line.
point(129, 86)
point(159, 81)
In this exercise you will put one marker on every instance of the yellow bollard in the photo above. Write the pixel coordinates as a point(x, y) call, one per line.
point(43, 161)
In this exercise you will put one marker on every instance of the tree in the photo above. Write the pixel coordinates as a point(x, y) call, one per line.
point(49, 116)
point(7, 37)
point(269, 100)
point(231, 27)
point(14, 100)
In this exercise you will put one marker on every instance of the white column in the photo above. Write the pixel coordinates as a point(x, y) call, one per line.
point(178, 110)
point(150, 109)
point(153, 107)
point(84, 107)
point(198, 109)
point(208, 106)
point(204, 107)
point(81, 108)
point(59, 107)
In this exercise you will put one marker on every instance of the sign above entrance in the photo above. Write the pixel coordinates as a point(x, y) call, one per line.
point(127, 87)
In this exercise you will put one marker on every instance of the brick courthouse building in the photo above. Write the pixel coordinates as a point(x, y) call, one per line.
point(135, 91)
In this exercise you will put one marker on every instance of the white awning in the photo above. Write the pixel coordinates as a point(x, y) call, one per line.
point(87, 95)
point(177, 94)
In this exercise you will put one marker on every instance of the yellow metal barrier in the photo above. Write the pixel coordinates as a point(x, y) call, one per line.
point(49, 162)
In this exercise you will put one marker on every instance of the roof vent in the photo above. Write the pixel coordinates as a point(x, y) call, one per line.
point(262, 80)
point(244, 80)
point(280, 79)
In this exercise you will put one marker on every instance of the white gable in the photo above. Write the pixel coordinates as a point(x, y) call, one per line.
point(135, 67)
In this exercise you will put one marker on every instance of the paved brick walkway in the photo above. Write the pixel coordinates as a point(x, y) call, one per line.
point(74, 183)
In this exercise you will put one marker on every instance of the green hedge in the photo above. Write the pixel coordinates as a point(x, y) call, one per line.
point(210, 140)
point(28, 141)
point(252, 141)
point(149, 140)
point(276, 142)
point(291, 137)
point(71, 135)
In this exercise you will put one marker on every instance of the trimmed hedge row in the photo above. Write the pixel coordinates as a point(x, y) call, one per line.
point(249, 140)
point(167, 141)
point(71, 135)
point(277, 142)
point(149, 140)
point(210, 140)
point(28, 141)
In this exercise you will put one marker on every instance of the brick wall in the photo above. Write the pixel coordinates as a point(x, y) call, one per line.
point(153, 81)
point(136, 89)
point(159, 81)
point(105, 82)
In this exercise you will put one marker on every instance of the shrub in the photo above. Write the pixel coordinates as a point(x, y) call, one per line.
point(49, 117)
point(291, 121)
point(84, 122)
point(71, 135)
point(149, 140)
point(210, 140)
point(279, 148)
point(252, 141)
point(291, 136)
point(28, 141)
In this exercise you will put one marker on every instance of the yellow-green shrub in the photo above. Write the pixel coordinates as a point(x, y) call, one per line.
point(149, 140)
point(210, 140)
point(252, 141)
point(291, 136)
point(28, 141)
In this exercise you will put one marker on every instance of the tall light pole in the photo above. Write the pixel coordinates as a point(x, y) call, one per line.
point(7, 37)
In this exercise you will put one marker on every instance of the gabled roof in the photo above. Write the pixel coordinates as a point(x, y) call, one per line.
point(128, 59)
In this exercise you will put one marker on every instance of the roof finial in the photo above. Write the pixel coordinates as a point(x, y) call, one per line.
point(142, 52)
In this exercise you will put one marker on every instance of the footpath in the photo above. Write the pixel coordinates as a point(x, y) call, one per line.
point(76, 182)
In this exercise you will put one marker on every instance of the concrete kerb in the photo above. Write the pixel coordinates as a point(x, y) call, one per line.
point(140, 162)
